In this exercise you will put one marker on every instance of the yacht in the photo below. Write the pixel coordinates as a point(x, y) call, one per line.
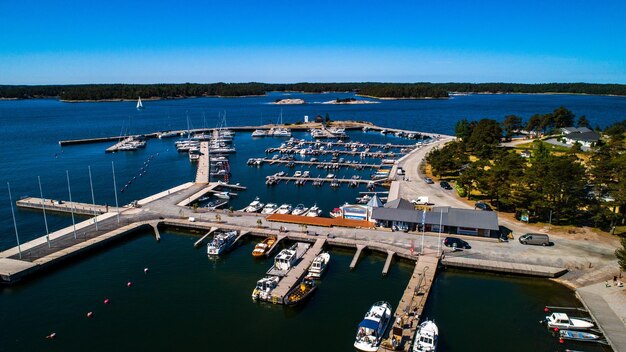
point(286, 259)
point(300, 209)
point(221, 242)
point(426, 337)
point(319, 265)
point(297, 173)
point(264, 287)
point(284, 209)
point(139, 104)
point(336, 213)
point(281, 132)
point(222, 195)
point(254, 207)
point(314, 212)
point(372, 328)
point(562, 321)
point(269, 208)
point(260, 133)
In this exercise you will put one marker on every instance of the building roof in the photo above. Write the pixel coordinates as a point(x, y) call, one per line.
point(568, 130)
point(375, 202)
point(404, 215)
point(584, 137)
point(400, 203)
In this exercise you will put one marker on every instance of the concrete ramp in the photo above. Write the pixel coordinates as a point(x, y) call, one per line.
point(203, 239)
point(355, 259)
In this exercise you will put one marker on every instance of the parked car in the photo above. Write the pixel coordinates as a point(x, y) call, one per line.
point(429, 180)
point(445, 185)
point(456, 243)
point(535, 238)
point(482, 206)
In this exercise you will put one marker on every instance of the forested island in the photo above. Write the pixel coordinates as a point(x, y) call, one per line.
point(97, 92)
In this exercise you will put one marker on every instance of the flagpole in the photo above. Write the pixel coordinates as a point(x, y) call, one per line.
point(93, 199)
point(439, 238)
point(69, 189)
point(115, 190)
point(19, 248)
point(43, 206)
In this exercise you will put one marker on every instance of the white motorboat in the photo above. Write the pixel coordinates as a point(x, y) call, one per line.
point(254, 207)
point(281, 132)
point(260, 133)
point(300, 209)
point(297, 173)
point(319, 265)
point(306, 174)
point(372, 328)
point(264, 287)
point(562, 321)
point(269, 208)
point(222, 195)
point(284, 209)
point(426, 337)
point(315, 211)
point(221, 242)
point(286, 259)
point(329, 176)
point(336, 213)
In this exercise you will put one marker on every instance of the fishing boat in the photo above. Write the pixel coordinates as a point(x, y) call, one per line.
point(315, 211)
point(299, 209)
point(578, 335)
point(263, 247)
point(139, 104)
point(426, 337)
point(301, 292)
point(264, 287)
point(562, 321)
point(373, 326)
point(284, 209)
point(269, 208)
point(254, 207)
point(319, 265)
point(221, 243)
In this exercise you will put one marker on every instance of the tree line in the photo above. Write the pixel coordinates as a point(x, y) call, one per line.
point(564, 187)
point(373, 89)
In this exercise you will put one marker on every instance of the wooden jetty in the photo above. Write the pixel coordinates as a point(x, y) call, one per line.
point(412, 303)
point(64, 207)
point(202, 174)
point(297, 273)
point(315, 163)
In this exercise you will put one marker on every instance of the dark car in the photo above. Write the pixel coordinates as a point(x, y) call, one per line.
point(482, 206)
point(456, 243)
point(445, 185)
point(429, 180)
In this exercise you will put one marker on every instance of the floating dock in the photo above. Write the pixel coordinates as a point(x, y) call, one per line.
point(301, 249)
point(316, 163)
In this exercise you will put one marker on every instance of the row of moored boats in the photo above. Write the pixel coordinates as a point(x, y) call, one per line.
point(272, 208)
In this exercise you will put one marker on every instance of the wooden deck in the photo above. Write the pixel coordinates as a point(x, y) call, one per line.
point(319, 221)
point(202, 174)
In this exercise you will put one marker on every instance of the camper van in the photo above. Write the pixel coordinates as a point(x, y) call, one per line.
point(535, 238)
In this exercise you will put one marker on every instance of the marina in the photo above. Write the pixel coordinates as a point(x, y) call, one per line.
point(173, 210)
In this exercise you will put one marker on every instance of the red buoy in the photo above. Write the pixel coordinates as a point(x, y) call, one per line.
point(546, 309)
point(556, 329)
point(561, 341)
point(106, 301)
point(89, 314)
point(129, 284)
point(145, 270)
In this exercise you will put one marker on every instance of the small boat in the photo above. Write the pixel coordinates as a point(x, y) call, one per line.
point(264, 287)
point(260, 133)
point(254, 207)
point(336, 213)
point(329, 176)
point(562, 321)
point(216, 204)
point(261, 248)
point(221, 243)
point(315, 211)
point(297, 173)
point(284, 209)
point(319, 265)
point(300, 209)
point(222, 195)
point(578, 335)
point(301, 292)
point(426, 337)
point(373, 326)
point(139, 104)
point(269, 208)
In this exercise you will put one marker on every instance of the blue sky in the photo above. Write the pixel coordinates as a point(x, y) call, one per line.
point(61, 42)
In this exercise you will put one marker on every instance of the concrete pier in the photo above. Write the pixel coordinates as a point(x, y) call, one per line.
point(315, 163)
point(64, 207)
point(202, 174)
point(115, 147)
point(390, 255)
point(503, 267)
point(355, 259)
point(298, 272)
point(203, 239)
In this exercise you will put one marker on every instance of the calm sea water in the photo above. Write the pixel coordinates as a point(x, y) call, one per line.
point(187, 302)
